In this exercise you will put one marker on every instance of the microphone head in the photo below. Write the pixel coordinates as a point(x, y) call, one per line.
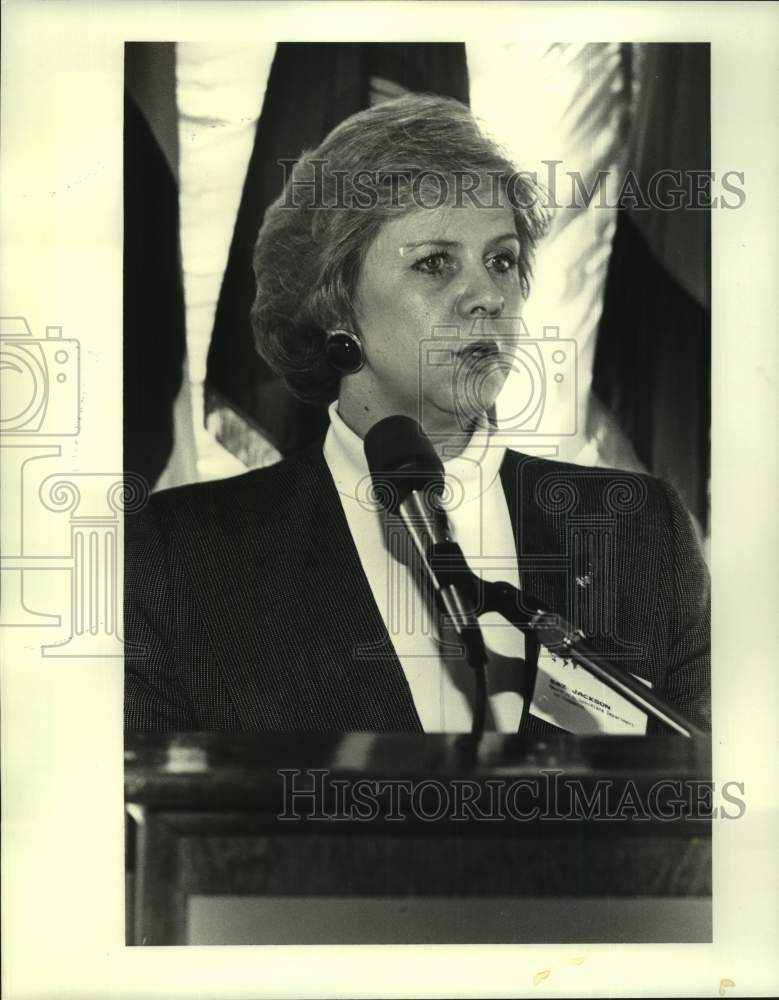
point(402, 460)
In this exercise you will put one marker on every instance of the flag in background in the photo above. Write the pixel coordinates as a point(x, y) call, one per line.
point(652, 367)
point(154, 345)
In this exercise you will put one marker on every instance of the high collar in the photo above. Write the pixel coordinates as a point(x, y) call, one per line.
point(469, 474)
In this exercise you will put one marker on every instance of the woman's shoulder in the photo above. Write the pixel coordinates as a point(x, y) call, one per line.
point(267, 495)
point(564, 486)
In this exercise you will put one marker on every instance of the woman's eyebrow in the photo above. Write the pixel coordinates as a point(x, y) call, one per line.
point(455, 243)
point(504, 236)
point(425, 243)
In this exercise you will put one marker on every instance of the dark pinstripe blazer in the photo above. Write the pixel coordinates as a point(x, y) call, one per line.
point(245, 598)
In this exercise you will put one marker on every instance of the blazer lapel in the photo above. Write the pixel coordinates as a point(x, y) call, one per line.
point(542, 558)
point(585, 551)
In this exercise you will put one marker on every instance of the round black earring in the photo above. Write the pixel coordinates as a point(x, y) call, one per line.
point(344, 351)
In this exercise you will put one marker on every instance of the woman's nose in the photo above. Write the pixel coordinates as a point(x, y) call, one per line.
point(481, 298)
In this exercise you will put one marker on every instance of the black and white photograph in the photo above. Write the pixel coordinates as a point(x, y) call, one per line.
point(408, 534)
point(373, 463)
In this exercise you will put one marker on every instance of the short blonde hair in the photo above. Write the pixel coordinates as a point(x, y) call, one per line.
point(389, 159)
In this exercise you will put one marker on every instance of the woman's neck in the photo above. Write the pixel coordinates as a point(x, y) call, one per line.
point(448, 438)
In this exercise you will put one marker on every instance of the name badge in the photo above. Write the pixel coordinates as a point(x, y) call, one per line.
point(569, 697)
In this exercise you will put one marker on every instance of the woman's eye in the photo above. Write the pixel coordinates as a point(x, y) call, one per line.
point(502, 262)
point(434, 263)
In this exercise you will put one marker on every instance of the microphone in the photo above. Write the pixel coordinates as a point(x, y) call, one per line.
point(408, 480)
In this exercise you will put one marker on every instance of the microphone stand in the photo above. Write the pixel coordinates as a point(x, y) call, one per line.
point(527, 614)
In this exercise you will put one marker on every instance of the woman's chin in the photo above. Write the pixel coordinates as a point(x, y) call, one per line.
point(479, 398)
point(454, 417)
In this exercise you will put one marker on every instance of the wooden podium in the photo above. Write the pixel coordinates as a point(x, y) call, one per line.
point(377, 838)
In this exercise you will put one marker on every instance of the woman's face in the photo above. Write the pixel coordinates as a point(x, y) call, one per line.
point(434, 305)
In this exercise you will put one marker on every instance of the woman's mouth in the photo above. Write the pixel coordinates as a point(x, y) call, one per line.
point(479, 350)
point(480, 353)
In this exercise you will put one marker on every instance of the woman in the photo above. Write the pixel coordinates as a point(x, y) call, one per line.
point(390, 276)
